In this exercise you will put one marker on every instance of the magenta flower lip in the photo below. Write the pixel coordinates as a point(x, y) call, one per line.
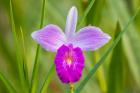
point(69, 60)
point(69, 63)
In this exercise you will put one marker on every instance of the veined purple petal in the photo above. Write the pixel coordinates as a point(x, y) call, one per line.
point(69, 63)
point(90, 38)
point(71, 22)
point(50, 37)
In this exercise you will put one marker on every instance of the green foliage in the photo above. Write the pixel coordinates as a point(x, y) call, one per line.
point(86, 13)
point(116, 67)
point(47, 79)
point(34, 81)
point(7, 84)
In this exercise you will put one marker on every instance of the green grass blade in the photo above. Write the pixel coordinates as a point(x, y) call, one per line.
point(24, 58)
point(131, 41)
point(42, 13)
point(18, 56)
point(48, 79)
point(94, 15)
point(8, 85)
point(34, 80)
point(116, 67)
point(86, 13)
point(101, 61)
point(100, 74)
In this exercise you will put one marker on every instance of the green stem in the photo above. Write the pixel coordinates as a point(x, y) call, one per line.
point(71, 88)
point(34, 80)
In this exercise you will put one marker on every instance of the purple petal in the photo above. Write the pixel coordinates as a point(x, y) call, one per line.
point(69, 63)
point(50, 37)
point(71, 22)
point(90, 38)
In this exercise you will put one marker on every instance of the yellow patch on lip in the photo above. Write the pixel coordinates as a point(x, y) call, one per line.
point(69, 61)
point(69, 57)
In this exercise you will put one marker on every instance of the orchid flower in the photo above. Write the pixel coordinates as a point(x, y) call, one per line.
point(69, 45)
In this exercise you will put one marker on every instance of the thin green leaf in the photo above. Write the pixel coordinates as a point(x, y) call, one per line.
point(8, 85)
point(116, 67)
point(86, 13)
point(131, 41)
point(42, 13)
point(94, 15)
point(24, 58)
point(18, 56)
point(34, 80)
point(48, 80)
point(102, 60)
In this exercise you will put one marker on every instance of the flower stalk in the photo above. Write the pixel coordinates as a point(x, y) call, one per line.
point(71, 88)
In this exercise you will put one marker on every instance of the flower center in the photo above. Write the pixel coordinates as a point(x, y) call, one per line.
point(69, 57)
point(69, 61)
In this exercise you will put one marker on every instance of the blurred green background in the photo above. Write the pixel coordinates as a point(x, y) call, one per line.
point(119, 74)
